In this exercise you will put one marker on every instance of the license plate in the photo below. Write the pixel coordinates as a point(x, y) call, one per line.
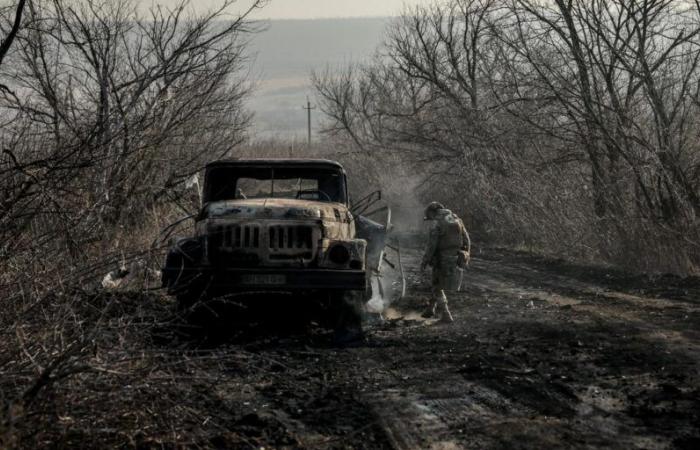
point(263, 279)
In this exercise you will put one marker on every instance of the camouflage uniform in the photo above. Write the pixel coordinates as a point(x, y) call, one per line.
point(448, 236)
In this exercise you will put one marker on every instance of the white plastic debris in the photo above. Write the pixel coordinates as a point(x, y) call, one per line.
point(115, 278)
point(193, 181)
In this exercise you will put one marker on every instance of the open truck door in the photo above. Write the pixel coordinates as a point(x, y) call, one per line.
point(373, 224)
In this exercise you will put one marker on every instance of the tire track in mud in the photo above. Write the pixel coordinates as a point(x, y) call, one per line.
point(412, 420)
point(547, 360)
point(507, 280)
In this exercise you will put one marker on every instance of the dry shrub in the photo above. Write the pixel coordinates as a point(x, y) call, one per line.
point(527, 118)
point(107, 114)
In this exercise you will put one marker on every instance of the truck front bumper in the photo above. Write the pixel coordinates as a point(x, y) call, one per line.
point(281, 278)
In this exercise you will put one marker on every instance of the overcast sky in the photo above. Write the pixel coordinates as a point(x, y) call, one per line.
point(298, 9)
point(311, 9)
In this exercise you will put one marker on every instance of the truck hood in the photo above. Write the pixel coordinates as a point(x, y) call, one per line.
point(276, 208)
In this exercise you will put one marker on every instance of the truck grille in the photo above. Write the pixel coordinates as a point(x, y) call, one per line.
point(290, 237)
point(255, 244)
point(240, 236)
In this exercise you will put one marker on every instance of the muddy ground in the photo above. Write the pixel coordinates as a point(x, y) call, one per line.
point(543, 354)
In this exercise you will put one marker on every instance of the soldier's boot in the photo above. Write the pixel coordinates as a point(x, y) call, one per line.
point(445, 315)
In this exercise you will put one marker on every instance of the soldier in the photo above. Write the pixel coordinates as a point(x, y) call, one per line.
point(447, 253)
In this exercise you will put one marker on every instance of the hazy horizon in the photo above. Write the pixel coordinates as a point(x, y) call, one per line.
point(286, 53)
point(305, 9)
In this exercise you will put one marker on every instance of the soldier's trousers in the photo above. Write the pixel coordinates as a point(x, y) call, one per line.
point(447, 278)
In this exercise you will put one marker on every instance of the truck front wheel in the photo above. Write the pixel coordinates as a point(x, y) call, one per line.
point(348, 309)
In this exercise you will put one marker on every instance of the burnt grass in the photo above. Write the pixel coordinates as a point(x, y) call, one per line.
point(544, 353)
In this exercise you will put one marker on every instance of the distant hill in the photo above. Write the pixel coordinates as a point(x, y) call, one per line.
point(288, 51)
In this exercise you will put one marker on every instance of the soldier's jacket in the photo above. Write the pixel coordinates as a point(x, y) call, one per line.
point(447, 236)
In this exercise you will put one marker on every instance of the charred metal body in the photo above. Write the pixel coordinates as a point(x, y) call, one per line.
point(271, 225)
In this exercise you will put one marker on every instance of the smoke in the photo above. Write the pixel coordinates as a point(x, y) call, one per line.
point(378, 303)
point(401, 189)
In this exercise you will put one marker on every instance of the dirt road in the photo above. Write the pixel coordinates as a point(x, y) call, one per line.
point(543, 354)
point(546, 354)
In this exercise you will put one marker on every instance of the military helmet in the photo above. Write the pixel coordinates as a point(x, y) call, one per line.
point(432, 209)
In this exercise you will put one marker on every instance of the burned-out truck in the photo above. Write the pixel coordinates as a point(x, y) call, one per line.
point(274, 225)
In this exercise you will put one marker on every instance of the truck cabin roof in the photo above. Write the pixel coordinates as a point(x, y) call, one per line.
point(276, 163)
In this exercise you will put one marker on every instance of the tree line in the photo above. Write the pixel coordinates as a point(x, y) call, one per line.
point(569, 126)
point(107, 110)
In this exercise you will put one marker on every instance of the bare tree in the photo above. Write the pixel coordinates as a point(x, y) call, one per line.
point(103, 115)
point(563, 114)
point(109, 112)
point(9, 39)
point(612, 72)
point(424, 93)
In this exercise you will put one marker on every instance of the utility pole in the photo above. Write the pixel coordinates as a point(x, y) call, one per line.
point(308, 109)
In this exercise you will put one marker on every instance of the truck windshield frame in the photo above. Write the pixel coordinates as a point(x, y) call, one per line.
point(222, 183)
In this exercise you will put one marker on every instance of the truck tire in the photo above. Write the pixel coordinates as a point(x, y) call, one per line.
point(180, 276)
point(190, 295)
point(349, 311)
